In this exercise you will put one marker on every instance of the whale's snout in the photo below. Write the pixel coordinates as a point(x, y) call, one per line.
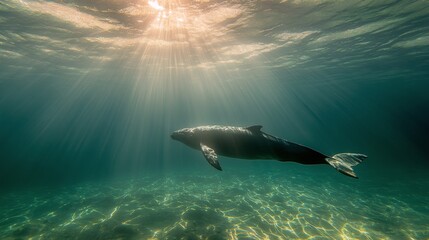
point(181, 135)
point(175, 135)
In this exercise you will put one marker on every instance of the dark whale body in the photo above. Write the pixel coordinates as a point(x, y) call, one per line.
point(252, 143)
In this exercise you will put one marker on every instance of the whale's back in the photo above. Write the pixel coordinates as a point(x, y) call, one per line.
point(237, 142)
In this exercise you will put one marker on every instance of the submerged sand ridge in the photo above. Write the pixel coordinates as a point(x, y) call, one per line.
point(212, 207)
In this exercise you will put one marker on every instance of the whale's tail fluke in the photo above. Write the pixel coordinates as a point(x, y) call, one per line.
point(344, 162)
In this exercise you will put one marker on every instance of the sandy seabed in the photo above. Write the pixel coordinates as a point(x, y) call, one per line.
point(210, 207)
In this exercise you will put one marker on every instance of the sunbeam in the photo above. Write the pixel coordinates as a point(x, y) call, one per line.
point(91, 92)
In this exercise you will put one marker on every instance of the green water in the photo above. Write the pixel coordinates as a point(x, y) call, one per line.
point(191, 206)
point(90, 92)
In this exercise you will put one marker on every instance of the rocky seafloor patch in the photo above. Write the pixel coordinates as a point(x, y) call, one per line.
point(210, 207)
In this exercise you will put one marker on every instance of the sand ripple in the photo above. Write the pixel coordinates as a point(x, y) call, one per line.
point(199, 207)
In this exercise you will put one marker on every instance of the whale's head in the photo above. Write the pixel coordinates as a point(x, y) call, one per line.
point(185, 135)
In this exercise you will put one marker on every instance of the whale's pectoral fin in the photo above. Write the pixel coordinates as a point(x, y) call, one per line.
point(210, 156)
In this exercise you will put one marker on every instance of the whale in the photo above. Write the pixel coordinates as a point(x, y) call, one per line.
point(252, 143)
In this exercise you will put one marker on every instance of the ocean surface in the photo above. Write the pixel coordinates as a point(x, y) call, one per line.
point(90, 92)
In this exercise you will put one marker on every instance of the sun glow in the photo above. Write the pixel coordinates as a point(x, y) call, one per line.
point(155, 4)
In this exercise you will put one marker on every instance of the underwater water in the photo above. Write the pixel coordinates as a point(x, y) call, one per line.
point(90, 92)
point(256, 206)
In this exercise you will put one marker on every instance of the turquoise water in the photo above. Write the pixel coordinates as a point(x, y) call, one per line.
point(90, 92)
point(256, 206)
